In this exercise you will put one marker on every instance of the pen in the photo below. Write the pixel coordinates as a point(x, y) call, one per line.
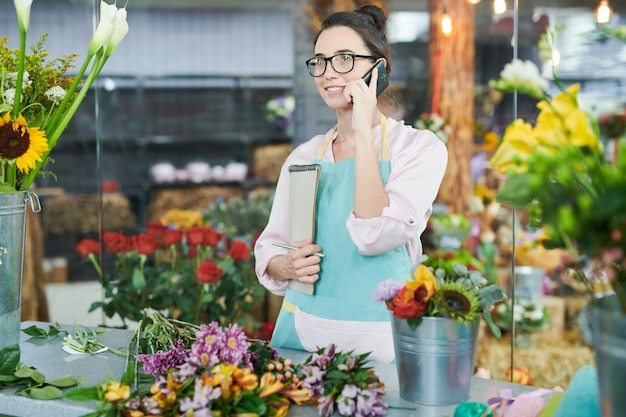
point(286, 246)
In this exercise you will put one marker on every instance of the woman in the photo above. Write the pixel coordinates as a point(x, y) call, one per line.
point(378, 181)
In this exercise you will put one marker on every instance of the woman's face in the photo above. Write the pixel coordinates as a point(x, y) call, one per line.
point(333, 41)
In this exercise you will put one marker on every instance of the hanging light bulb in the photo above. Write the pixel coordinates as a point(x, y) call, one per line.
point(446, 23)
point(473, 1)
point(499, 6)
point(603, 12)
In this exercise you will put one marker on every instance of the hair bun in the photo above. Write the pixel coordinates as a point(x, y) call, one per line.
point(377, 15)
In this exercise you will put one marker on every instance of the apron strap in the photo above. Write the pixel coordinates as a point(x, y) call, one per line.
point(383, 133)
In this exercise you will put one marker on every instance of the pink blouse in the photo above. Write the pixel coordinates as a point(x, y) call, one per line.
point(418, 163)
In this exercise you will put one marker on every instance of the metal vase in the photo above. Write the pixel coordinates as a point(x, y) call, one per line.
point(435, 361)
point(609, 341)
point(12, 234)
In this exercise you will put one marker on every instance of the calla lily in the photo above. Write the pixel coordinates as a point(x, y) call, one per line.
point(120, 30)
point(22, 7)
point(104, 29)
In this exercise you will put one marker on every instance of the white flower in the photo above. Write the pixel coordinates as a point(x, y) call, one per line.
point(22, 7)
point(120, 30)
point(55, 94)
point(524, 76)
point(104, 29)
point(9, 95)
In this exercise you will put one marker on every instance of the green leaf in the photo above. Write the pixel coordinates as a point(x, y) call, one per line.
point(139, 280)
point(84, 394)
point(35, 331)
point(24, 371)
point(516, 191)
point(47, 392)
point(9, 359)
point(489, 319)
point(63, 382)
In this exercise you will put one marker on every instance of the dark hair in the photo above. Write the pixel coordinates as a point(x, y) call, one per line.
point(369, 22)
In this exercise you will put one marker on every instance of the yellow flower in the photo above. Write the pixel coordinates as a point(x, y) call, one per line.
point(421, 275)
point(23, 144)
point(490, 141)
point(117, 391)
point(269, 385)
point(516, 147)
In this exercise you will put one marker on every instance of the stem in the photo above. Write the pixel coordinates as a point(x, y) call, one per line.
point(20, 76)
point(55, 133)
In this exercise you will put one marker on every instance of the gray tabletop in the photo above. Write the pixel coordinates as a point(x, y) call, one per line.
point(48, 356)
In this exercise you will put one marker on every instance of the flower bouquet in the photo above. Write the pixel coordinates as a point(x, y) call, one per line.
point(37, 99)
point(557, 169)
point(208, 369)
point(196, 274)
point(442, 286)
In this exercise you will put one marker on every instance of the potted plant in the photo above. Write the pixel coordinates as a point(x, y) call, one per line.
point(435, 316)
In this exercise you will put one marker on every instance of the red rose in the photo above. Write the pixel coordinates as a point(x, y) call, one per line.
point(211, 236)
point(195, 235)
point(131, 244)
point(239, 251)
point(157, 230)
point(208, 272)
point(173, 237)
point(114, 242)
point(408, 309)
point(146, 244)
point(86, 247)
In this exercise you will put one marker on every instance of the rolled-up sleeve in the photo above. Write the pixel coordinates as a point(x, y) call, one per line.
point(418, 163)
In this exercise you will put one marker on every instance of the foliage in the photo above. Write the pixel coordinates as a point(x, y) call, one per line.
point(209, 369)
point(557, 169)
point(436, 124)
point(27, 380)
point(195, 274)
point(440, 288)
point(37, 99)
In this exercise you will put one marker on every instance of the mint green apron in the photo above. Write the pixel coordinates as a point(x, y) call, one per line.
point(343, 295)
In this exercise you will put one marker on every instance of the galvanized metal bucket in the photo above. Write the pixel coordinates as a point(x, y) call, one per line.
point(12, 234)
point(435, 361)
point(609, 342)
point(529, 283)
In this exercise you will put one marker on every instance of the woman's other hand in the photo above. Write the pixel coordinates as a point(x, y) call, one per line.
point(300, 264)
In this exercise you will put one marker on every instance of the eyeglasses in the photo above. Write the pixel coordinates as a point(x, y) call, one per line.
point(341, 63)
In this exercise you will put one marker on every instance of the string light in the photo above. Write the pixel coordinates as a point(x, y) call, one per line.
point(499, 6)
point(603, 12)
point(446, 23)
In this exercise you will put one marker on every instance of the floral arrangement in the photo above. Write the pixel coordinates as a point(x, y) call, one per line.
point(449, 230)
point(436, 124)
point(196, 274)
point(440, 288)
point(210, 369)
point(557, 169)
point(280, 110)
point(37, 100)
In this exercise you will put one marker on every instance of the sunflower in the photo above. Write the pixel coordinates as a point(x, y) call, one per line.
point(455, 301)
point(22, 144)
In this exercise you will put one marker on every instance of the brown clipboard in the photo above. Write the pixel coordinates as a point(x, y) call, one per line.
point(303, 182)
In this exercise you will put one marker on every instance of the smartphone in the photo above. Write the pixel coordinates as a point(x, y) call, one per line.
point(383, 78)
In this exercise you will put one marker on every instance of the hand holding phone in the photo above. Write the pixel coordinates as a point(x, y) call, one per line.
point(382, 80)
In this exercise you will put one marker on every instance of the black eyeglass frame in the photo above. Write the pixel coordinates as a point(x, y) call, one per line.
point(330, 59)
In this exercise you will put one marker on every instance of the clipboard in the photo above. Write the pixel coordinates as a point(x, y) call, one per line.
point(303, 182)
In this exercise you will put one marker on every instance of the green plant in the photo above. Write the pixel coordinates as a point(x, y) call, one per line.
point(195, 274)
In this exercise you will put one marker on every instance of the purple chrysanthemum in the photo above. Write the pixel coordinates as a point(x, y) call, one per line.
point(387, 290)
point(235, 346)
point(161, 362)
